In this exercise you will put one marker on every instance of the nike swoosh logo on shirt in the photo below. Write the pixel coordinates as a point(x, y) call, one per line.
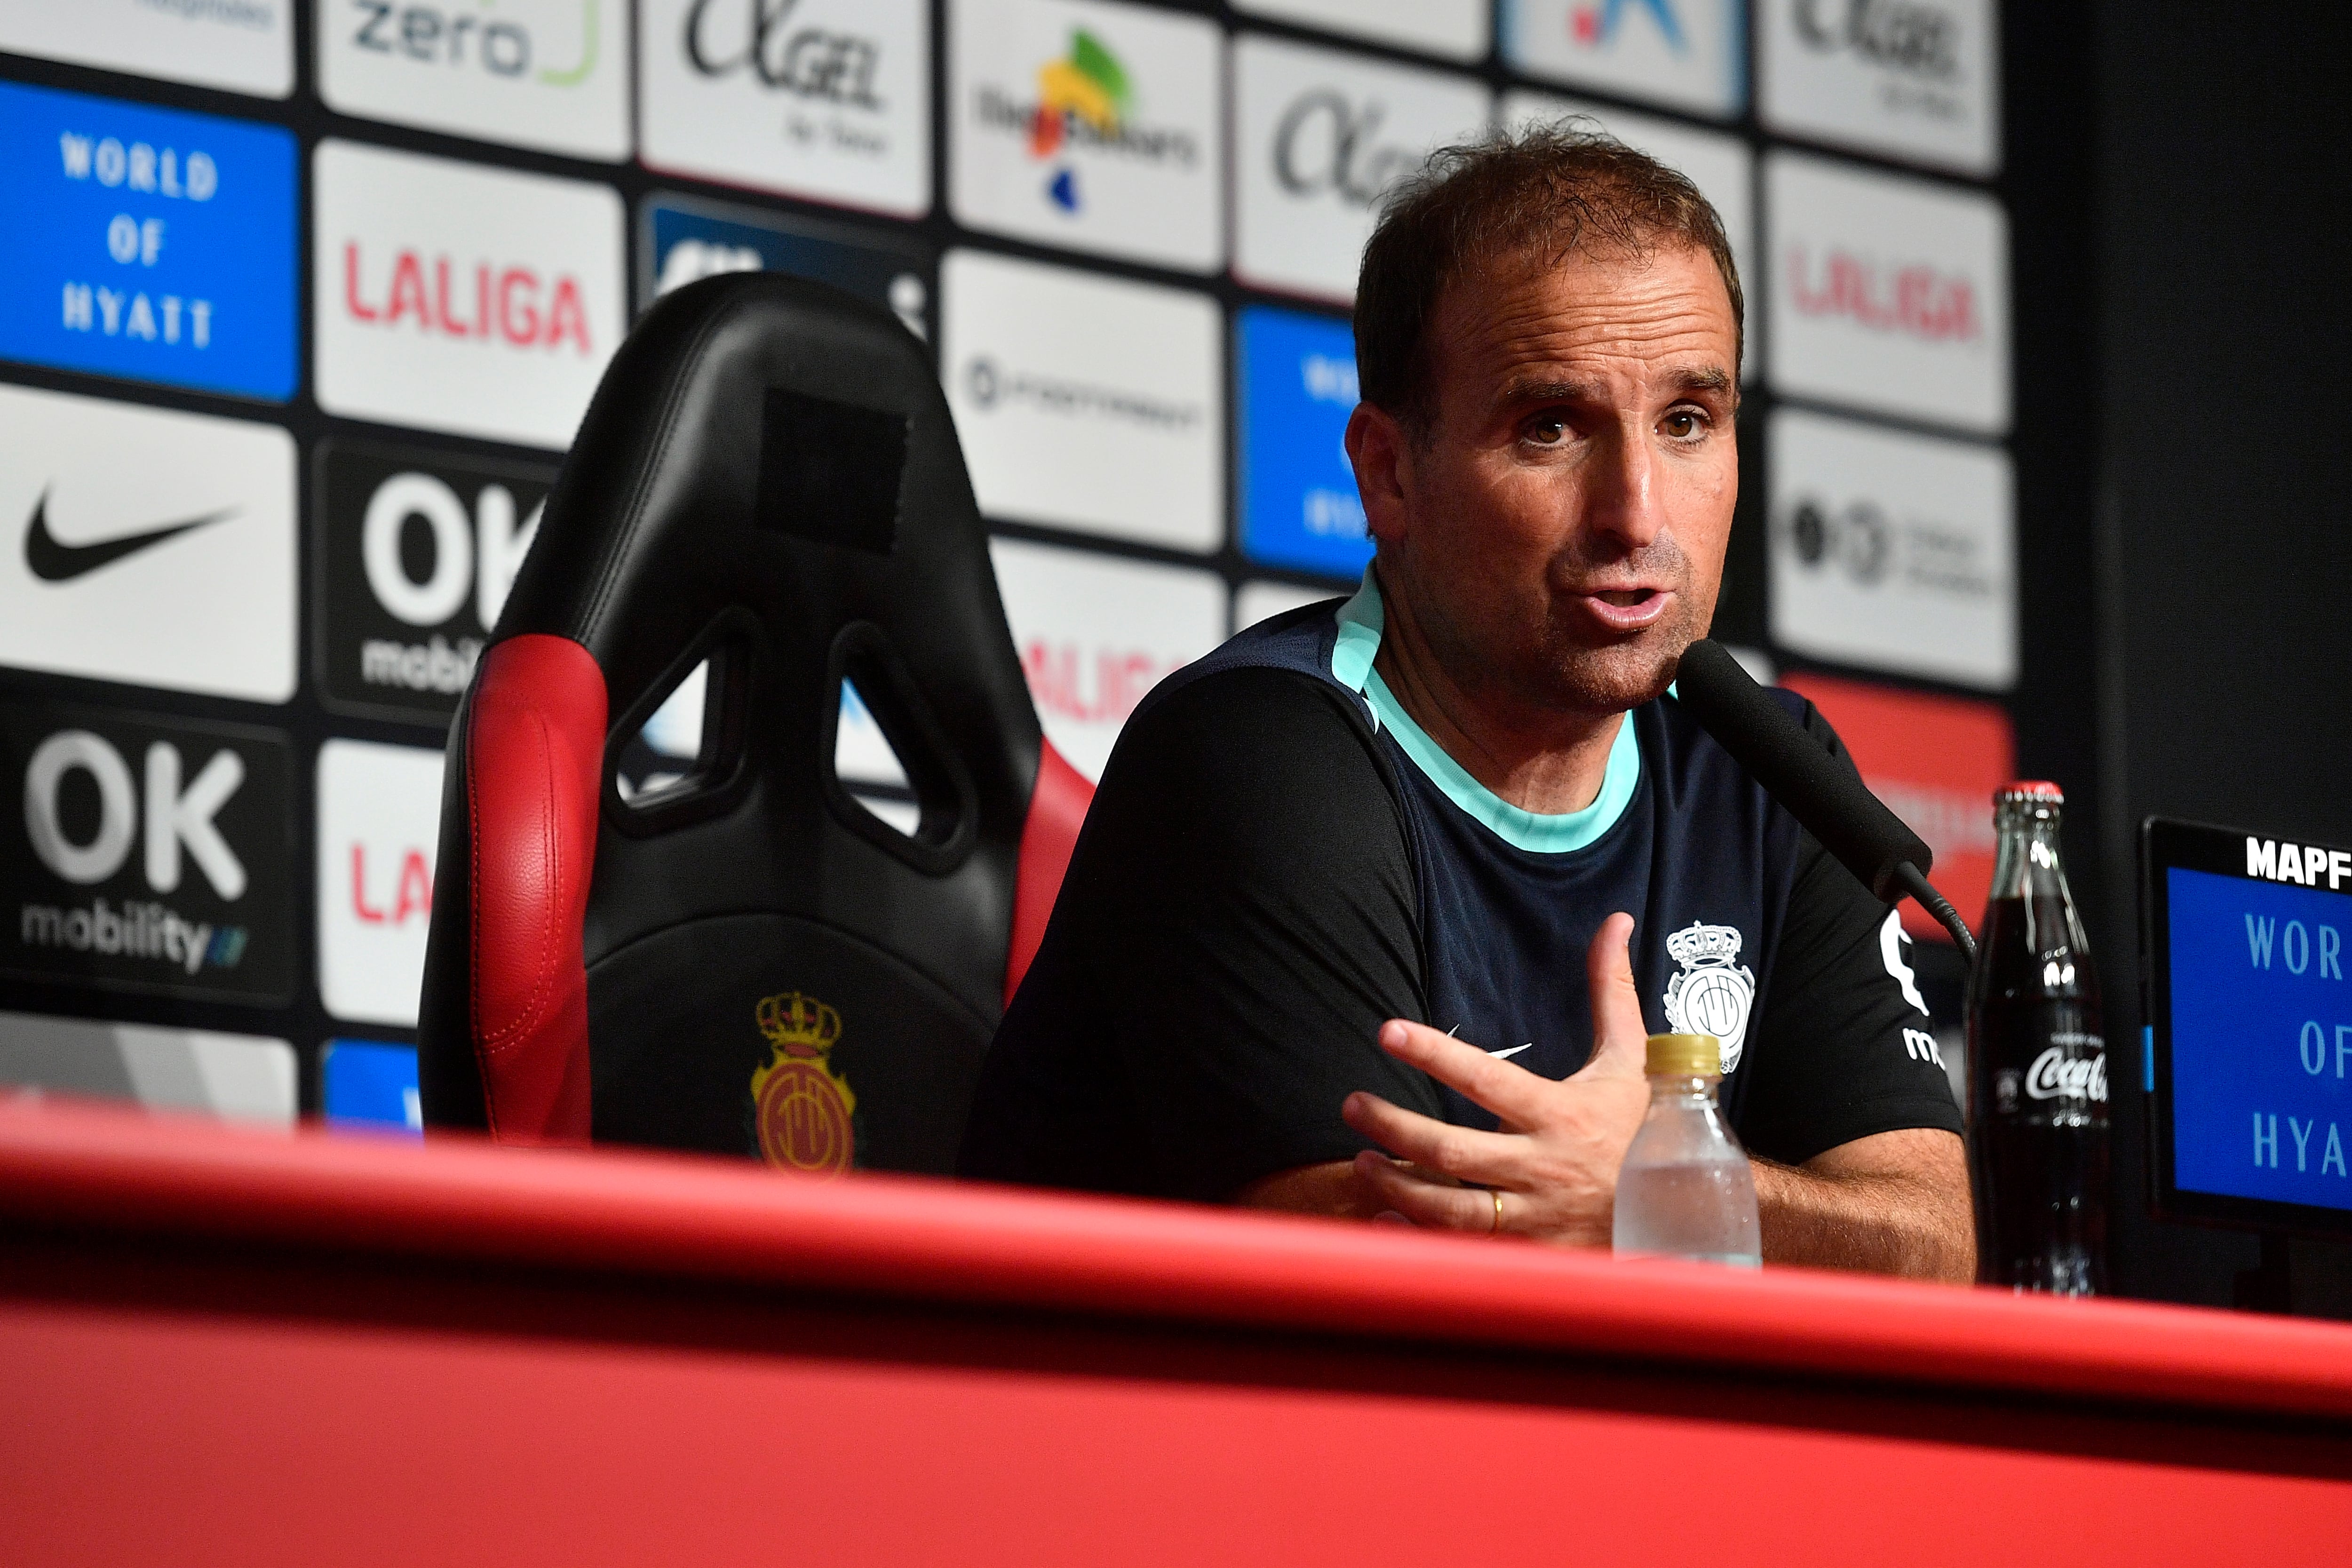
point(53, 561)
point(1507, 1052)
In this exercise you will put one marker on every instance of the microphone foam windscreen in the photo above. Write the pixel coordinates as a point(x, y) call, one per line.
point(1819, 789)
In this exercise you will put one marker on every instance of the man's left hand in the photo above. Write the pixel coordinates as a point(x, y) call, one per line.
point(1554, 1161)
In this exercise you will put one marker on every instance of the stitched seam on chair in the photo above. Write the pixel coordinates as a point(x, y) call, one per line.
point(608, 569)
point(474, 924)
point(548, 848)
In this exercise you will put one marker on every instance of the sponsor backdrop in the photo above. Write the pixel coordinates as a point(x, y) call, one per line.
point(301, 304)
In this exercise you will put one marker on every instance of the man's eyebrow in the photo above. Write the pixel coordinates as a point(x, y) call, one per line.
point(1543, 390)
point(1707, 378)
point(1696, 378)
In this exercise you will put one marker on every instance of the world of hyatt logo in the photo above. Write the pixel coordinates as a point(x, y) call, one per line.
point(417, 550)
point(150, 854)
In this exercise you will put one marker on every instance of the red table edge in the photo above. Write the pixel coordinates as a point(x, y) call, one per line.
point(942, 1242)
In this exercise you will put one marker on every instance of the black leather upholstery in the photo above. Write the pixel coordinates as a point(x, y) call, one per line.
point(729, 494)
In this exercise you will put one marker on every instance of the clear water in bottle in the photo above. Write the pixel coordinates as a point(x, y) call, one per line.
point(1686, 1189)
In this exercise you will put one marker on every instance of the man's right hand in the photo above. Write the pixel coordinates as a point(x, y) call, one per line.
point(1555, 1160)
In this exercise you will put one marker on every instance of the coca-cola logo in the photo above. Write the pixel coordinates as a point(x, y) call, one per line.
point(2053, 1074)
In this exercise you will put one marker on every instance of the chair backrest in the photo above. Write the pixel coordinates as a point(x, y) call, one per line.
point(767, 489)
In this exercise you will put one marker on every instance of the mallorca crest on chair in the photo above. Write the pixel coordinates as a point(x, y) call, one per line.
point(801, 1109)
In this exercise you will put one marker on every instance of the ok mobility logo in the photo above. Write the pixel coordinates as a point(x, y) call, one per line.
point(150, 854)
point(1083, 100)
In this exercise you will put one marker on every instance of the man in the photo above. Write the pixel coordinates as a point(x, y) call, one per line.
point(1360, 876)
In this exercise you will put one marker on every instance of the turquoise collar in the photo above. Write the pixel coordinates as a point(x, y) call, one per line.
point(1360, 620)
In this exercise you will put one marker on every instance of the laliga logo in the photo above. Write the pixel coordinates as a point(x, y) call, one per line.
point(506, 304)
point(1057, 679)
point(1915, 300)
point(1710, 996)
point(800, 1108)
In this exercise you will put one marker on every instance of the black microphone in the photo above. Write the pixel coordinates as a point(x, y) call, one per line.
point(1821, 790)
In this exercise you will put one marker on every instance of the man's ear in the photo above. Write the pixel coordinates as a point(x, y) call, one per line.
point(1383, 461)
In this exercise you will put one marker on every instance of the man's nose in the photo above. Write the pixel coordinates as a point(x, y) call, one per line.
point(1620, 498)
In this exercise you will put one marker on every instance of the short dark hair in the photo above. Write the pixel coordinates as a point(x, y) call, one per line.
point(1563, 186)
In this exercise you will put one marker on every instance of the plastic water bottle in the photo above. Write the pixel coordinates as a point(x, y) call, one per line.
point(1686, 1189)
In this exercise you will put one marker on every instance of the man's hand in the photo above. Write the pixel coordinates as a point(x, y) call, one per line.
point(1554, 1161)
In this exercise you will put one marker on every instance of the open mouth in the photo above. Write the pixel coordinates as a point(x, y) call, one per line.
point(1626, 609)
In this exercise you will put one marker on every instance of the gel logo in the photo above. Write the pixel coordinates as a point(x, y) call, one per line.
point(723, 36)
point(450, 38)
point(1923, 40)
point(1595, 27)
point(1325, 142)
point(137, 829)
point(147, 242)
point(418, 552)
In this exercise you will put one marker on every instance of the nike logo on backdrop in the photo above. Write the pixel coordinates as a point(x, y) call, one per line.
point(53, 561)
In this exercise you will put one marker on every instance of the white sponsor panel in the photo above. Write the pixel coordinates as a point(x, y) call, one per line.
point(379, 822)
point(1906, 79)
point(1261, 600)
point(1892, 551)
point(1454, 30)
point(1086, 402)
point(240, 1078)
point(1719, 164)
point(1089, 124)
point(1887, 294)
point(461, 298)
point(1319, 137)
point(548, 74)
point(1096, 634)
point(146, 546)
point(1690, 55)
point(824, 98)
point(242, 45)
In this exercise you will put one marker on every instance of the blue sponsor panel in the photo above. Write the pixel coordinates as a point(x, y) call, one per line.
point(147, 242)
point(1299, 506)
point(370, 1086)
point(2261, 1039)
point(687, 240)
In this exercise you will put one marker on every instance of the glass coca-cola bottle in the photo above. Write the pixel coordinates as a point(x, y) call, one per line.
point(2037, 1066)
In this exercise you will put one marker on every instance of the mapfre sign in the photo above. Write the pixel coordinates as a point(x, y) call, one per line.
point(460, 297)
point(1888, 295)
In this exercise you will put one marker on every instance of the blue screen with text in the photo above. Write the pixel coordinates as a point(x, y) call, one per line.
point(2261, 1039)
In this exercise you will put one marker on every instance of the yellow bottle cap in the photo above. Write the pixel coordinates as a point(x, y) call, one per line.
point(1686, 1056)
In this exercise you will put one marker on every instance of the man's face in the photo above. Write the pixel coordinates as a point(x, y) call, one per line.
point(1560, 526)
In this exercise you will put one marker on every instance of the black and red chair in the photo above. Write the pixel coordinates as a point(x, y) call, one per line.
point(744, 958)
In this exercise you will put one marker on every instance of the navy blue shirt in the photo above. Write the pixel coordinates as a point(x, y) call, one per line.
point(1279, 860)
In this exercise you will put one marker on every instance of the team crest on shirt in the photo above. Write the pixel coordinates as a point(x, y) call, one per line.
point(1712, 994)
